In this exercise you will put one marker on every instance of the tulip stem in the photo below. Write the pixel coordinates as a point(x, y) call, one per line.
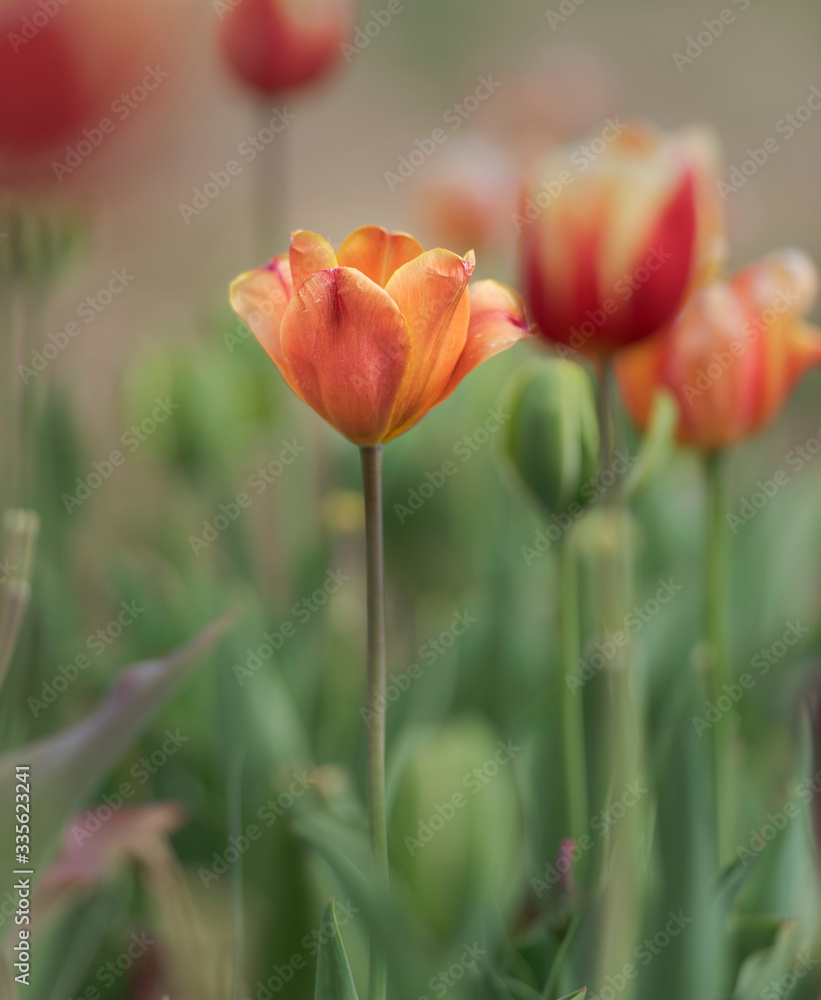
point(716, 592)
point(372, 484)
point(573, 713)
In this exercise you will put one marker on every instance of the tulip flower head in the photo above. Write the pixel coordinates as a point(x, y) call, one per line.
point(275, 45)
point(376, 334)
point(733, 355)
point(616, 232)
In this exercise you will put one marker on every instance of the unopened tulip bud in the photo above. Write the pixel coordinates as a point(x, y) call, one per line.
point(553, 434)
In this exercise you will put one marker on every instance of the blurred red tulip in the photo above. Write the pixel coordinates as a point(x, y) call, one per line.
point(375, 335)
point(67, 65)
point(733, 354)
point(274, 45)
point(616, 231)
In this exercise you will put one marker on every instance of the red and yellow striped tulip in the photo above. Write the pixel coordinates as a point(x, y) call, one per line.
point(275, 45)
point(376, 334)
point(617, 231)
point(733, 354)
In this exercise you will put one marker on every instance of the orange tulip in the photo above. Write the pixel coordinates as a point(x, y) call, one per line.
point(616, 231)
point(274, 45)
point(733, 355)
point(378, 333)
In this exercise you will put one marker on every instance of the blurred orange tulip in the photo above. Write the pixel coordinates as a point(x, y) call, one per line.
point(733, 354)
point(274, 45)
point(377, 334)
point(616, 231)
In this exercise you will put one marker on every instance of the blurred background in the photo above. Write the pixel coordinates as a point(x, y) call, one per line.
point(163, 353)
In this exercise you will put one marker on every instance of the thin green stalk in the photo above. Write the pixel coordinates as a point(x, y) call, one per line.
point(716, 594)
point(572, 702)
point(374, 555)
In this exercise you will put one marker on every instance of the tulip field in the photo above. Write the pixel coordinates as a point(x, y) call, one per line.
point(410, 551)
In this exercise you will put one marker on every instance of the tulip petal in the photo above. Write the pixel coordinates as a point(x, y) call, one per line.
point(497, 321)
point(309, 253)
point(430, 293)
point(347, 346)
point(260, 298)
point(377, 253)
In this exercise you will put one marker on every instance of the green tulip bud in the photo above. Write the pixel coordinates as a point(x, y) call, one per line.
point(455, 824)
point(553, 435)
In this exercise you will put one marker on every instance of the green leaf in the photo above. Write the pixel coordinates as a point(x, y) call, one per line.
point(577, 995)
point(66, 767)
point(656, 446)
point(333, 973)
